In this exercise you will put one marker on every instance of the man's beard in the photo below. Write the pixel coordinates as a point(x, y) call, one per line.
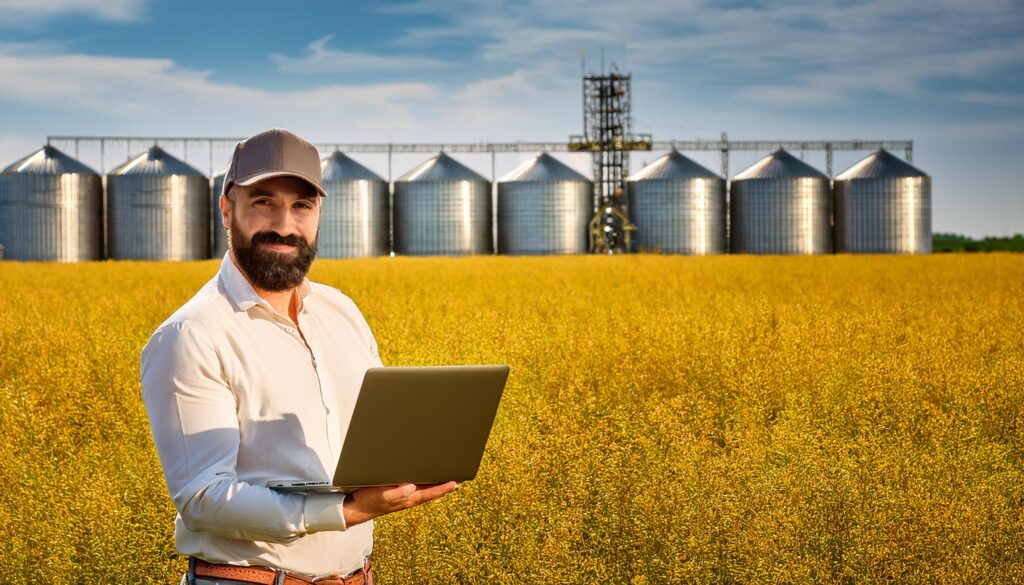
point(269, 270)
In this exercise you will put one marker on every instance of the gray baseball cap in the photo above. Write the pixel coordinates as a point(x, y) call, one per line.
point(274, 153)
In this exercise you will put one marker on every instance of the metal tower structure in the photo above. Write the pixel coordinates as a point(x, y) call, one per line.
point(607, 133)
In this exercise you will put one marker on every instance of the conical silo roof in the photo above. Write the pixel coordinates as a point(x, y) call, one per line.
point(441, 168)
point(779, 165)
point(673, 166)
point(339, 167)
point(48, 161)
point(879, 165)
point(543, 167)
point(156, 162)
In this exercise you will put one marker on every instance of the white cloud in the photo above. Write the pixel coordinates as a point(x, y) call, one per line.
point(155, 96)
point(810, 53)
point(318, 58)
point(992, 98)
point(520, 43)
point(13, 12)
point(160, 97)
point(898, 75)
point(533, 102)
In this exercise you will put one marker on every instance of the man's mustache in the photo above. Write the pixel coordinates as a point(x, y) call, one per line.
point(275, 238)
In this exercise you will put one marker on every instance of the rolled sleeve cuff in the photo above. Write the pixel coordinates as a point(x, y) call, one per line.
point(324, 512)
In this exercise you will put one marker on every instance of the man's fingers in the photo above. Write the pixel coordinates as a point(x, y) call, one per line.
point(426, 494)
point(406, 495)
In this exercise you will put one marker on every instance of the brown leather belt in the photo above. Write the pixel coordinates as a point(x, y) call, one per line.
point(268, 576)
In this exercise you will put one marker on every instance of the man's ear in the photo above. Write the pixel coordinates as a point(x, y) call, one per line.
point(226, 208)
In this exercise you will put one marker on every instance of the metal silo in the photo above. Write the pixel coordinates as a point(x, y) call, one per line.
point(678, 207)
point(544, 208)
point(51, 209)
point(442, 207)
point(355, 218)
point(220, 233)
point(780, 205)
point(883, 205)
point(158, 208)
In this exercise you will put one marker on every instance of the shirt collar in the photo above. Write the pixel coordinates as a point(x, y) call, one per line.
point(242, 295)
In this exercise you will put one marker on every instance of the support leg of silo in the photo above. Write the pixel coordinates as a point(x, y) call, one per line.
point(494, 204)
point(725, 177)
point(391, 205)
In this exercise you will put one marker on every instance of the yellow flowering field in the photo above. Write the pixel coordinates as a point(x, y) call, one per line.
point(667, 419)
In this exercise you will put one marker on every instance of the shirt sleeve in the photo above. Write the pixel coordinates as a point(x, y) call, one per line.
point(192, 415)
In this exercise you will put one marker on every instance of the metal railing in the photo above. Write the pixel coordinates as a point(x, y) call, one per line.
point(722, 145)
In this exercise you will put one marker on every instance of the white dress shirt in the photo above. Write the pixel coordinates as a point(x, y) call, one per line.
point(235, 398)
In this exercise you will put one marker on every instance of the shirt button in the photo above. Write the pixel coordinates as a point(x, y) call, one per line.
point(289, 330)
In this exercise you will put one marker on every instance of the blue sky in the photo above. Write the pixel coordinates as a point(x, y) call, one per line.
point(947, 74)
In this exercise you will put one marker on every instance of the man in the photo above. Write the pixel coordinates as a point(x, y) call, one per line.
point(254, 379)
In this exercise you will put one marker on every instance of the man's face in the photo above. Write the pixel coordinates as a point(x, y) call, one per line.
point(273, 230)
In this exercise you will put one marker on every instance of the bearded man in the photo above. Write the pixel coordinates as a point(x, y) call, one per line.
point(255, 378)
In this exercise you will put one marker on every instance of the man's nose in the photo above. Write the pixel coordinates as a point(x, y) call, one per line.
point(282, 220)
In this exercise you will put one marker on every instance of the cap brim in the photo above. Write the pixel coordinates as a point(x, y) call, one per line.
point(270, 175)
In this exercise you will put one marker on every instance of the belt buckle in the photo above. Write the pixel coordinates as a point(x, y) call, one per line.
point(332, 579)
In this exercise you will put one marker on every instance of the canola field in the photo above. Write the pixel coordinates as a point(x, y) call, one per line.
point(826, 419)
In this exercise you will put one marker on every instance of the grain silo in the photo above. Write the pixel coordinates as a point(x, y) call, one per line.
point(544, 208)
point(220, 233)
point(51, 209)
point(158, 208)
point(780, 205)
point(442, 207)
point(883, 205)
point(355, 220)
point(678, 207)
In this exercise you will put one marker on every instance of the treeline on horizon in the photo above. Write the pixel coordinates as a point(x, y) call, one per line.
point(959, 243)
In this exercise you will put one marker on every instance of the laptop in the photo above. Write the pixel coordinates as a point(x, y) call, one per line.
point(422, 425)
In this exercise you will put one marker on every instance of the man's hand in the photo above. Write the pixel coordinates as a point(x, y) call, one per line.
point(368, 503)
